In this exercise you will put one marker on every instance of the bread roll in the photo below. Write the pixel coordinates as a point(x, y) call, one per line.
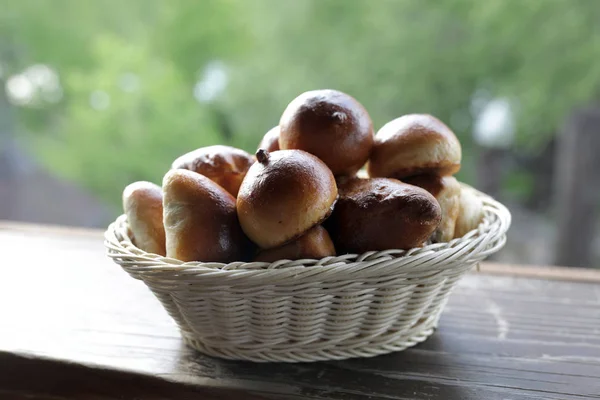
point(414, 144)
point(470, 213)
point(314, 244)
point(382, 214)
point(284, 194)
point(270, 141)
point(200, 220)
point(446, 191)
point(331, 125)
point(142, 203)
point(225, 165)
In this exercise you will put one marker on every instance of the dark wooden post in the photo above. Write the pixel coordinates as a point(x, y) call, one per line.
point(7, 169)
point(491, 166)
point(577, 187)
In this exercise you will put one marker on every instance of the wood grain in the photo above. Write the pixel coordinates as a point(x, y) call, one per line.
point(572, 274)
point(74, 325)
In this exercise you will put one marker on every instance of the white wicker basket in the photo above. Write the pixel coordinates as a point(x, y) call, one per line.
point(309, 310)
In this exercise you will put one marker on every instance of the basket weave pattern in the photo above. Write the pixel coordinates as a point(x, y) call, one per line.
point(308, 310)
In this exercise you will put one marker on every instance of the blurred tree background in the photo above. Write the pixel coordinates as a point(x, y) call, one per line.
point(107, 92)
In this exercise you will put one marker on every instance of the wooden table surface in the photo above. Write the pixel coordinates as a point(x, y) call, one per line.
point(75, 326)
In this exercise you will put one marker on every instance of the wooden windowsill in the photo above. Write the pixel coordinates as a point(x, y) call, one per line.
point(76, 326)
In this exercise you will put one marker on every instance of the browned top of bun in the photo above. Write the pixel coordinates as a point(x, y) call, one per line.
point(200, 220)
point(414, 144)
point(434, 184)
point(382, 214)
point(331, 125)
point(283, 195)
point(446, 190)
point(225, 165)
point(270, 141)
point(142, 203)
point(314, 244)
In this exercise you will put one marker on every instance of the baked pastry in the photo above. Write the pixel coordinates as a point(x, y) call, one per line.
point(382, 214)
point(200, 220)
point(314, 244)
point(414, 144)
point(470, 213)
point(284, 194)
point(143, 205)
point(225, 165)
point(270, 141)
point(331, 125)
point(446, 191)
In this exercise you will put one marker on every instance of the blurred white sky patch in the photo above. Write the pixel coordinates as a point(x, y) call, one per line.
point(20, 90)
point(494, 122)
point(212, 83)
point(99, 100)
point(37, 83)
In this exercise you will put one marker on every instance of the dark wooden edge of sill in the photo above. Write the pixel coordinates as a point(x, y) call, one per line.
point(34, 377)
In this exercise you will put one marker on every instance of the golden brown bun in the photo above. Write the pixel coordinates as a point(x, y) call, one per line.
point(470, 213)
point(382, 214)
point(314, 244)
point(225, 165)
point(412, 145)
point(331, 125)
point(284, 194)
point(270, 142)
point(446, 191)
point(200, 220)
point(143, 205)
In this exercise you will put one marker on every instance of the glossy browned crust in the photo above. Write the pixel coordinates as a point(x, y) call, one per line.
point(225, 165)
point(284, 196)
point(331, 125)
point(434, 184)
point(442, 168)
point(270, 141)
point(142, 203)
point(446, 191)
point(382, 214)
point(414, 144)
point(200, 219)
point(314, 244)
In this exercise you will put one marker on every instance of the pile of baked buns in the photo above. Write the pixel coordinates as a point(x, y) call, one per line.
point(320, 184)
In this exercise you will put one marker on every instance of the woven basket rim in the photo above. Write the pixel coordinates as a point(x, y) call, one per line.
point(492, 228)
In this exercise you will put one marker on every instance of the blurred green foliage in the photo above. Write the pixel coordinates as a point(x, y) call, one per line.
point(140, 60)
